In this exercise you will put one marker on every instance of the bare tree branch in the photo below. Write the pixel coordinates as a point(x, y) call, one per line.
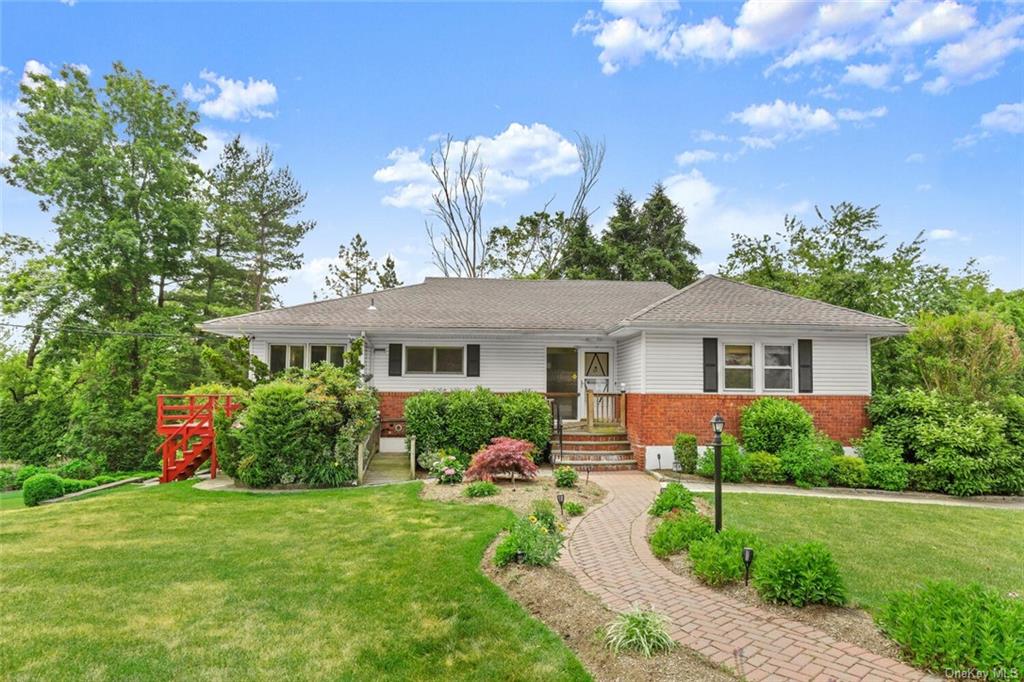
point(591, 156)
point(460, 246)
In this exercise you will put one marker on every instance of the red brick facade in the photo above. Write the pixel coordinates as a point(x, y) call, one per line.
point(655, 419)
point(392, 405)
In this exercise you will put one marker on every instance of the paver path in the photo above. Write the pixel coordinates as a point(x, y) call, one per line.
point(608, 553)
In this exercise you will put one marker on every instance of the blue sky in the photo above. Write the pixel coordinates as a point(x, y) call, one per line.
point(746, 111)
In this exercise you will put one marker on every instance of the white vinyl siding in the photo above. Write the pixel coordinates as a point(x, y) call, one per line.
point(674, 363)
point(630, 354)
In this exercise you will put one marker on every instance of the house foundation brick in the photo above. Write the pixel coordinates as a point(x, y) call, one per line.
point(392, 412)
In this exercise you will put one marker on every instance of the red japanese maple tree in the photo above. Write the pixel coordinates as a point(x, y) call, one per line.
point(506, 456)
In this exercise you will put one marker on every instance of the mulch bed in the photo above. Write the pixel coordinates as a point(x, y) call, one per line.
point(555, 598)
point(521, 498)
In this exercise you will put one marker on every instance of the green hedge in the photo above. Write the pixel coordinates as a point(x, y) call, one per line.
point(464, 421)
point(734, 461)
point(684, 448)
point(807, 461)
point(767, 424)
point(40, 488)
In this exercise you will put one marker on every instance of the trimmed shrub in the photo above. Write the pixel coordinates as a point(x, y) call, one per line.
point(764, 467)
point(574, 508)
point(848, 472)
point(684, 448)
point(27, 472)
point(425, 418)
point(80, 469)
point(104, 479)
point(526, 416)
point(566, 477)
point(734, 461)
point(480, 489)
point(808, 460)
point(718, 559)
point(673, 497)
point(921, 478)
point(447, 469)
point(41, 487)
point(799, 574)
point(769, 423)
point(884, 462)
point(73, 485)
point(6, 479)
point(677, 532)
point(471, 419)
point(228, 436)
point(944, 625)
point(638, 630)
point(503, 457)
point(529, 542)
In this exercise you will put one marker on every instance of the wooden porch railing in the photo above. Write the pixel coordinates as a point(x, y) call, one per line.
point(606, 408)
point(366, 450)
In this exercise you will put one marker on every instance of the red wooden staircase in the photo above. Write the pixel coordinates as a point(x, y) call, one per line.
point(186, 422)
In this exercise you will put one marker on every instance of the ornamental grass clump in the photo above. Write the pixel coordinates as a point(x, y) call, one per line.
point(503, 457)
point(638, 630)
point(799, 574)
point(947, 626)
point(673, 497)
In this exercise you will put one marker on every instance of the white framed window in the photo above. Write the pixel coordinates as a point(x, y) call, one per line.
point(778, 366)
point(304, 355)
point(435, 360)
point(738, 366)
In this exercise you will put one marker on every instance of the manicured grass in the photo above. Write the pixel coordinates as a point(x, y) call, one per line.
point(11, 499)
point(883, 546)
point(174, 583)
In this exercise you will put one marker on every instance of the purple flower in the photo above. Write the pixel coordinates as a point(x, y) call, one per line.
point(449, 472)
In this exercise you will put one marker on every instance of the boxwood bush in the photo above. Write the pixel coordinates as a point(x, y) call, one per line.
point(26, 472)
point(684, 448)
point(74, 485)
point(768, 423)
point(886, 469)
point(677, 532)
point(764, 467)
point(946, 626)
point(848, 472)
point(734, 461)
point(799, 574)
point(808, 460)
point(718, 559)
point(466, 421)
point(41, 487)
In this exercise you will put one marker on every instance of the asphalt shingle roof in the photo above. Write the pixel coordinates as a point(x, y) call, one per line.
point(584, 305)
point(452, 303)
point(714, 300)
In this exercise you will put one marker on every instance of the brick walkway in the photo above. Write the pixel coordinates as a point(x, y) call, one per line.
point(608, 553)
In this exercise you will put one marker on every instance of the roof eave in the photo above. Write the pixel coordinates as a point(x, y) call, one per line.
point(628, 327)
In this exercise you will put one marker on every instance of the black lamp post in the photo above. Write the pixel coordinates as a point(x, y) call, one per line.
point(718, 424)
point(561, 502)
point(677, 467)
point(659, 461)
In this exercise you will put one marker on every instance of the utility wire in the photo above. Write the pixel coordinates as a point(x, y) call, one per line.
point(111, 332)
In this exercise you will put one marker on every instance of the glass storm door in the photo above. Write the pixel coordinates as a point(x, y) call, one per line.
point(563, 380)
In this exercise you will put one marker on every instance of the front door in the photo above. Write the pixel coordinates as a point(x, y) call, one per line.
point(563, 381)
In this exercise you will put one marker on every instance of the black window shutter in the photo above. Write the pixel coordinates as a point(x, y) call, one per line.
point(473, 360)
point(394, 359)
point(805, 355)
point(711, 365)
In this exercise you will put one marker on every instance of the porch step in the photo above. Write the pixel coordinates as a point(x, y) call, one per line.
point(590, 436)
point(589, 445)
point(599, 464)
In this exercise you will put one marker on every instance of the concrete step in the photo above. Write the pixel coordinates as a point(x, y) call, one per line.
point(600, 465)
point(590, 436)
point(584, 445)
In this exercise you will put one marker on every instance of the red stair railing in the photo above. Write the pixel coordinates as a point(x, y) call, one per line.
point(187, 424)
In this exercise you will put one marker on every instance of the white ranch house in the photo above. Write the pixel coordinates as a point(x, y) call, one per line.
point(655, 359)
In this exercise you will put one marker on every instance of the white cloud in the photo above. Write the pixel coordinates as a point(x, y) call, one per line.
point(978, 56)
point(871, 75)
point(4, 69)
point(9, 112)
point(516, 159)
point(69, 3)
point(916, 23)
point(710, 39)
point(924, 187)
point(235, 100)
point(857, 115)
point(647, 12)
point(33, 67)
point(766, 25)
point(830, 47)
point(755, 142)
point(942, 234)
point(916, 157)
point(1007, 118)
point(785, 117)
point(84, 68)
point(844, 16)
point(695, 156)
point(709, 136)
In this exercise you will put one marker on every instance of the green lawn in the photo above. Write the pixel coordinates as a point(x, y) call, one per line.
point(884, 546)
point(174, 583)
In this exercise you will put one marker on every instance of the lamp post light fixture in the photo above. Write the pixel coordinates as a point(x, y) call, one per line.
point(748, 558)
point(659, 461)
point(677, 467)
point(561, 502)
point(718, 425)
